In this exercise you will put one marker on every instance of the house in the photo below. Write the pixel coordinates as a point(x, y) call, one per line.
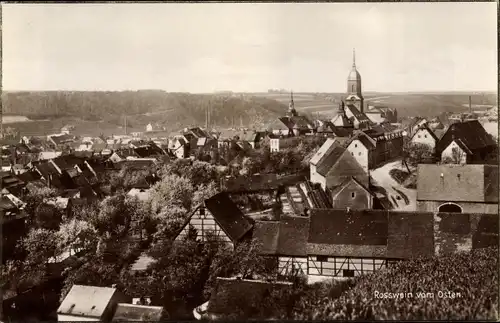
point(328, 129)
point(132, 312)
point(44, 155)
point(90, 303)
point(333, 164)
point(287, 241)
point(466, 142)
point(149, 127)
point(376, 146)
point(67, 129)
point(351, 194)
point(179, 147)
point(412, 125)
point(219, 218)
point(382, 114)
point(61, 139)
point(358, 119)
point(425, 136)
point(347, 243)
point(235, 296)
point(457, 188)
point(122, 154)
point(278, 143)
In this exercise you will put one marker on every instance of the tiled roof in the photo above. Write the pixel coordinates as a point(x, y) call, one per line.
point(87, 301)
point(228, 216)
point(324, 150)
point(365, 140)
point(329, 159)
point(293, 234)
point(341, 165)
point(357, 114)
point(466, 183)
point(471, 133)
point(425, 127)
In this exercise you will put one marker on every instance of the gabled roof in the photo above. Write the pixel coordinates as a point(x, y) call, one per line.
point(339, 165)
point(329, 159)
point(464, 183)
point(46, 169)
point(61, 139)
point(471, 133)
point(86, 301)
point(425, 127)
point(365, 140)
point(227, 214)
point(132, 312)
point(323, 151)
point(346, 182)
point(340, 120)
point(360, 116)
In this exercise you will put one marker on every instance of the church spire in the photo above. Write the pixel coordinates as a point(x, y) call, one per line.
point(353, 57)
point(291, 106)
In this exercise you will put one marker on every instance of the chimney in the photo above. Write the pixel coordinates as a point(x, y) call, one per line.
point(49, 181)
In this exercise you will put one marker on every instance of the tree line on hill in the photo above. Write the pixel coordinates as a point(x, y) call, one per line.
point(168, 109)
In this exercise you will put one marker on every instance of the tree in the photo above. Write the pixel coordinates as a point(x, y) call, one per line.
point(204, 192)
point(77, 235)
point(171, 191)
point(417, 153)
point(40, 246)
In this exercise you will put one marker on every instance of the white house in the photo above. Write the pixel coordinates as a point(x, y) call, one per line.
point(360, 148)
point(89, 303)
point(456, 151)
point(424, 135)
point(149, 127)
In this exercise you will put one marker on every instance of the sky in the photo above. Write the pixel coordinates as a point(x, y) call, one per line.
point(250, 47)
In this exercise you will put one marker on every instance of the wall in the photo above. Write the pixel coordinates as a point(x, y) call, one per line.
point(71, 318)
point(448, 152)
point(360, 152)
point(204, 223)
point(315, 177)
point(467, 207)
point(423, 137)
point(335, 266)
point(344, 199)
point(286, 264)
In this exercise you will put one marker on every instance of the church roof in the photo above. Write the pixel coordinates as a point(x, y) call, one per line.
point(354, 75)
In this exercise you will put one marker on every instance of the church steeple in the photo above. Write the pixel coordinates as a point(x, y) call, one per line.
point(354, 57)
point(291, 106)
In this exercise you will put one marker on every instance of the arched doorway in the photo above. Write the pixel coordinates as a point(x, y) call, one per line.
point(450, 208)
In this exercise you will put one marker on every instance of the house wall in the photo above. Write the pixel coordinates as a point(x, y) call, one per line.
point(274, 145)
point(467, 207)
point(204, 222)
point(360, 152)
point(344, 266)
point(448, 152)
point(424, 137)
point(344, 199)
point(287, 265)
point(71, 318)
point(315, 177)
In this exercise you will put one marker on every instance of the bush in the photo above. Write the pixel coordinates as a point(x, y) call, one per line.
point(472, 276)
point(399, 175)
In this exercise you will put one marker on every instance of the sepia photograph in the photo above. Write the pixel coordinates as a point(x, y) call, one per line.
point(263, 161)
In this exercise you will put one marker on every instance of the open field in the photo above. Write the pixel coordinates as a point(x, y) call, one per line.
point(407, 104)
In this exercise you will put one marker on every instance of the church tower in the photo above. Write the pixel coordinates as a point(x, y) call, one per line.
point(354, 93)
point(291, 107)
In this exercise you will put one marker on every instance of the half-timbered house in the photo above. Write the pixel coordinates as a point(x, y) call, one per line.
point(217, 218)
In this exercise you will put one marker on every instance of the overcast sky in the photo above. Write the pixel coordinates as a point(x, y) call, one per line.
point(250, 47)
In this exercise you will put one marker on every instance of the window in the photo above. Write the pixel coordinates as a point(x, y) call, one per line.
point(418, 136)
point(359, 154)
point(348, 273)
point(353, 195)
point(202, 211)
point(322, 258)
point(355, 145)
point(352, 153)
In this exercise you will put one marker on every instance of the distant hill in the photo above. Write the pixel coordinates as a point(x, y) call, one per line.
point(169, 110)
